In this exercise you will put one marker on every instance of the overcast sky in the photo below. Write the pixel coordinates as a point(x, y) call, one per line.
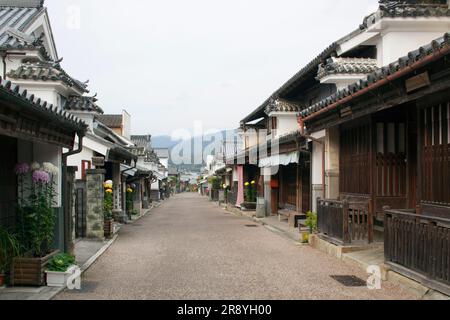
point(170, 63)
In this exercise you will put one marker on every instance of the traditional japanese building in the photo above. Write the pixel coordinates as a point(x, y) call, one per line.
point(392, 135)
point(396, 28)
point(32, 130)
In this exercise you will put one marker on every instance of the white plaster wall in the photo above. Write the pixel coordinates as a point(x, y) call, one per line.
point(46, 94)
point(287, 123)
point(164, 162)
point(126, 124)
point(155, 186)
point(75, 160)
point(317, 160)
point(88, 118)
point(398, 43)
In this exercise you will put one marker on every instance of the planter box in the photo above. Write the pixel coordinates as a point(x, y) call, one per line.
point(248, 206)
point(109, 228)
point(58, 279)
point(29, 271)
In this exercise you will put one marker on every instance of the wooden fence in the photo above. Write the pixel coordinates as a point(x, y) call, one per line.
point(345, 222)
point(419, 247)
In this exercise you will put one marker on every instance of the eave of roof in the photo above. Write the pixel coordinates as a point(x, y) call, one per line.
point(42, 107)
point(46, 71)
point(83, 103)
point(346, 66)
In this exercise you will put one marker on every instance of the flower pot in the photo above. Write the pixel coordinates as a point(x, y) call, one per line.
point(109, 228)
point(58, 279)
point(30, 271)
point(251, 206)
point(2, 279)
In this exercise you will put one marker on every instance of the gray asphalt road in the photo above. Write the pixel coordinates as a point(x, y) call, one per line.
point(190, 249)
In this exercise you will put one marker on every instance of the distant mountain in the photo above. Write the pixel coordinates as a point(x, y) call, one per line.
point(165, 141)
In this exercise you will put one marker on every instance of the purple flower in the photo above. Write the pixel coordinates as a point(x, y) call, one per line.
point(40, 176)
point(21, 168)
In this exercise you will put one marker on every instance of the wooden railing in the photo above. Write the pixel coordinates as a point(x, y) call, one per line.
point(345, 222)
point(418, 246)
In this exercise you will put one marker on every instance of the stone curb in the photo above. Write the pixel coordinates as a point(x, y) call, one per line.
point(99, 253)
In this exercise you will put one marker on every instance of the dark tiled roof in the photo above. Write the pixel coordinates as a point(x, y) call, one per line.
point(347, 66)
point(46, 71)
point(401, 64)
point(162, 152)
point(297, 78)
point(395, 9)
point(281, 105)
point(15, 17)
point(143, 141)
point(41, 106)
point(111, 120)
point(22, 3)
point(83, 103)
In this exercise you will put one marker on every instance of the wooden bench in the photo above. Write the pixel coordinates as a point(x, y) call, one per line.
point(293, 217)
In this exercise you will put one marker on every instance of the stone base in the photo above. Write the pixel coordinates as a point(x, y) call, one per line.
point(120, 216)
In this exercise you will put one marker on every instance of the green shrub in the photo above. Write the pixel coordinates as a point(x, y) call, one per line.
point(311, 221)
point(9, 248)
point(61, 262)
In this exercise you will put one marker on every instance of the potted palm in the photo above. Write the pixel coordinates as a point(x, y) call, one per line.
point(59, 269)
point(9, 248)
point(36, 223)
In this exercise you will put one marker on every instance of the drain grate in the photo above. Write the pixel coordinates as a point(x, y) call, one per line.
point(251, 226)
point(350, 281)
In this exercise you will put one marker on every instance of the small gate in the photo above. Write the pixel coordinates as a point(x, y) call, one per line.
point(80, 209)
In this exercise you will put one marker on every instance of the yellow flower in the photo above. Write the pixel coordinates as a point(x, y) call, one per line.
point(107, 185)
point(247, 184)
point(253, 182)
point(109, 191)
point(129, 190)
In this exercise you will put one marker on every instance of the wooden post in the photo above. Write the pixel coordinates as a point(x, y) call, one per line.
point(346, 234)
point(370, 215)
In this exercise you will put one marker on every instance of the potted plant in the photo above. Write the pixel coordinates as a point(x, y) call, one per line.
point(129, 200)
point(59, 269)
point(249, 196)
point(107, 209)
point(36, 223)
point(311, 224)
point(9, 248)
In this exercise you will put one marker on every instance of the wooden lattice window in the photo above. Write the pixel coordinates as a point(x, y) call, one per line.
point(391, 163)
point(436, 154)
point(355, 160)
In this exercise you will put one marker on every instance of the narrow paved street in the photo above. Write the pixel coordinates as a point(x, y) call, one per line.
point(190, 249)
